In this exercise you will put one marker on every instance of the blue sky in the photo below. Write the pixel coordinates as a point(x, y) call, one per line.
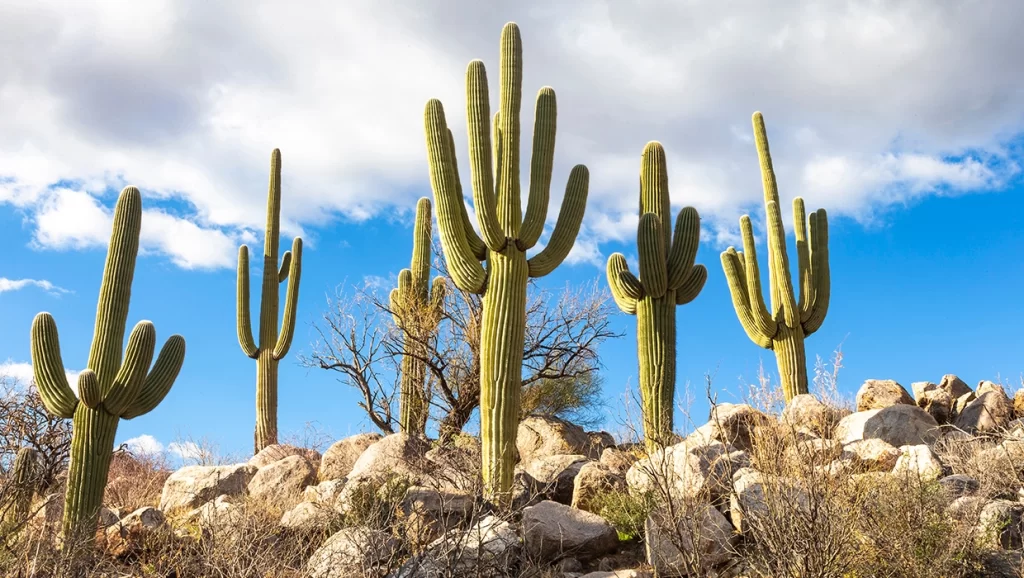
point(919, 166)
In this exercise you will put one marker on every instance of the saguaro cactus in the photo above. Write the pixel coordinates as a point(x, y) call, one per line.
point(506, 235)
point(24, 478)
point(668, 278)
point(111, 387)
point(417, 305)
point(273, 346)
point(784, 328)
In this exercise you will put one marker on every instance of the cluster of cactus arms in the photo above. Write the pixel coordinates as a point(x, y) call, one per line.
point(273, 346)
point(784, 328)
point(505, 235)
point(668, 277)
point(112, 387)
point(417, 307)
point(24, 478)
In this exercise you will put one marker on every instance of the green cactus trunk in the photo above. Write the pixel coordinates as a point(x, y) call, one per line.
point(111, 387)
point(789, 354)
point(506, 235)
point(273, 345)
point(656, 350)
point(24, 475)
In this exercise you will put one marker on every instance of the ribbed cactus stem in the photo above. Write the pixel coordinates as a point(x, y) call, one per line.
point(112, 387)
point(668, 277)
point(273, 343)
point(506, 235)
point(25, 479)
point(790, 319)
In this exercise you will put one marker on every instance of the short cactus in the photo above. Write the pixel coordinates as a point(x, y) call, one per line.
point(668, 278)
point(273, 346)
point(112, 387)
point(417, 306)
point(506, 235)
point(24, 481)
point(784, 328)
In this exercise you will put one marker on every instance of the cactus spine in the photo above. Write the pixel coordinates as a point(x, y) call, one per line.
point(784, 328)
point(417, 306)
point(506, 235)
point(668, 278)
point(273, 346)
point(112, 387)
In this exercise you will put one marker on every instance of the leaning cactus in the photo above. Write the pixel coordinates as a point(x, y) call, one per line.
point(416, 305)
point(24, 479)
point(112, 387)
point(506, 235)
point(668, 278)
point(273, 346)
point(784, 328)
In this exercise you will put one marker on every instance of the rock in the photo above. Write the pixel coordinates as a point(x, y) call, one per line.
point(870, 455)
point(1007, 456)
point(918, 462)
point(456, 466)
point(526, 491)
point(282, 481)
point(685, 470)
point(814, 451)
point(986, 386)
point(556, 474)
point(734, 424)
point(600, 441)
point(670, 549)
point(619, 574)
point(337, 461)
point(219, 519)
point(990, 411)
point(898, 425)
point(593, 482)
point(552, 530)
point(961, 402)
point(307, 516)
point(954, 385)
point(1001, 520)
point(880, 394)
point(569, 565)
point(276, 452)
point(918, 389)
point(108, 517)
point(429, 513)
point(617, 460)
point(542, 436)
point(394, 454)
point(486, 549)
point(129, 535)
point(966, 508)
point(938, 403)
point(192, 486)
point(352, 552)
point(806, 414)
point(756, 496)
point(959, 485)
point(325, 493)
point(1018, 403)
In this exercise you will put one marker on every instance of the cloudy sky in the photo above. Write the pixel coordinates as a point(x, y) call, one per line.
point(904, 119)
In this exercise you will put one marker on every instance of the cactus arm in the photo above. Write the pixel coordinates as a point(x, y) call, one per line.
point(623, 297)
point(464, 267)
point(138, 356)
point(650, 241)
point(89, 389)
point(684, 247)
point(510, 96)
point(570, 216)
point(541, 166)
point(692, 285)
point(48, 368)
point(421, 251)
point(484, 199)
point(291, 302)
point(244, 322)
point(819, 271)
point(741, 300)
point(654, 197)
point(284, 270)
point(782, 284)
point(476, 244)
point(394, 303)
point(803, 256)
point(160, 379)
point(438, 291)
point(766, 325)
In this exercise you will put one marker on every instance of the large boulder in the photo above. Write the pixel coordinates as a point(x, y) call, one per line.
point(593, 482)
point(455, 466)
point(990, 411)
point(429, 512)
point(556, 474)
point(734, 424)
point(880, 394)
point(307, 516)
point(397, 453)
point(338, 460)
point(806, 414)
point(918, 462)
point(283, 481)
point(756, 496)
point(1001, 521)
point(276, 452)
point(898, 425)
point(193, 486)
point(352, 552)
point(692, 468)
point(618, 460)
point(130, 534)
point(323, 493)
point(541, 436)
point(870, 455)
point(485, 549)
point(673, 544)
point(552, 530)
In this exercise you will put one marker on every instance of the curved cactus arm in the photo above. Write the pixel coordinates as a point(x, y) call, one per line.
point(479, 116)
point(819, 271)
point(740, 299)
point(650, 242)
point(466, 270)
point(570, 216)
point(782, 283)
point(692, 285)
point(244, 317)
point(542, 164)
point(438, 291)
point(48, 368)
point(654, 197)
point(510, 98)
point(284, 270)
point(291, 302)
point(766, 324)
point(683, 253)
point(803, 259)
point(623, 296)
point(394, 303)
point(129, 379)
point(89, 389)
point(631, 285)
point(476, 244)
point(160, 379)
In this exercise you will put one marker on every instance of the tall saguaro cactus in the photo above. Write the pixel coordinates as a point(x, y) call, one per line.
point(507, 236)
point(111, 387)
point(273, 346)
point(416, 305)
point(784, 327)
point(668, 278)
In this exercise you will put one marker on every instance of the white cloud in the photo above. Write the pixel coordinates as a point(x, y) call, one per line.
point(185, 450)
point(144, 444)
point(18, 284)
point(868, 105)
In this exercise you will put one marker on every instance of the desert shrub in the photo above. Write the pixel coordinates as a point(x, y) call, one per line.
point(625, 511)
